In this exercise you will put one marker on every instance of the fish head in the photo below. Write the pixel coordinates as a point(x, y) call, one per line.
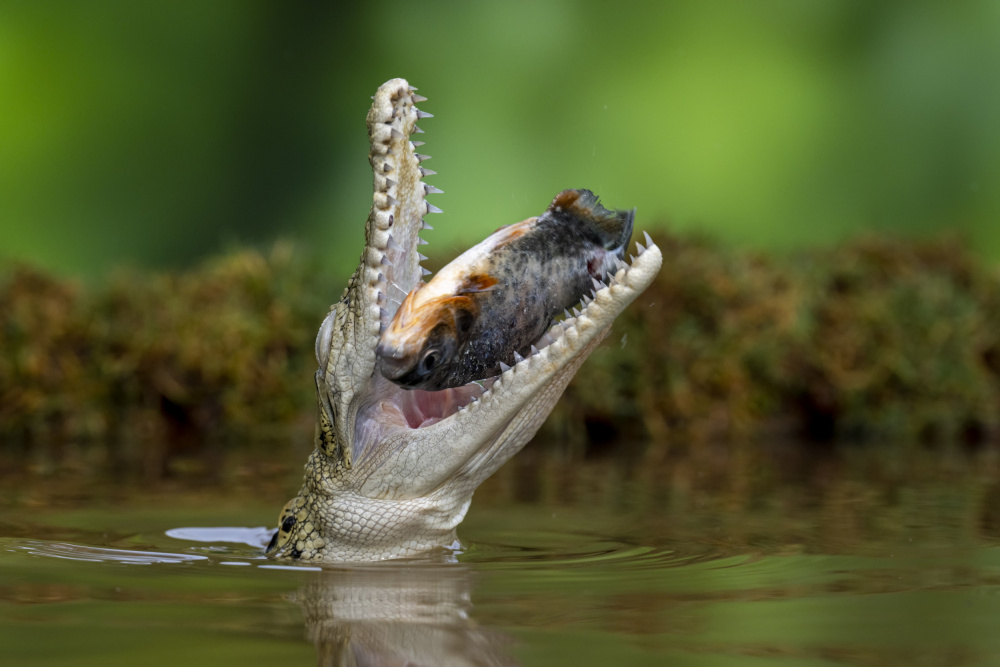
point(419, 347)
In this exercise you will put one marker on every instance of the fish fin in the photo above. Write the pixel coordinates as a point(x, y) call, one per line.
point(613, 227)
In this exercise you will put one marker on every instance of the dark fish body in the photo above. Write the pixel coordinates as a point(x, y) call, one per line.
point(501, 296)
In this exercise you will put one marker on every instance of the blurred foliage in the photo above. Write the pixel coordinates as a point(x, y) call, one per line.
point(224, 349)
point(154, 133)
point(877, 338)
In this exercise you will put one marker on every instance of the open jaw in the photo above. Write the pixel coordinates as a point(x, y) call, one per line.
point(392, 261)
point(393, 471)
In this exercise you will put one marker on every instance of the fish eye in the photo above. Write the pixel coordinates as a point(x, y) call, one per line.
point(429, 362)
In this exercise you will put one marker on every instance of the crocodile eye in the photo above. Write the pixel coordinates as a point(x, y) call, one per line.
point(286, 521)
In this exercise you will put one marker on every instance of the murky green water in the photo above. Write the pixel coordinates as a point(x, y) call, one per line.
point(730, 555)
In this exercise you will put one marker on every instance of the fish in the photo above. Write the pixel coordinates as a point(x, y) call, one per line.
point(487, 307)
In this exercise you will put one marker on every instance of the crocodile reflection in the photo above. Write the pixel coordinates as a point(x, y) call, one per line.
point(397, 615)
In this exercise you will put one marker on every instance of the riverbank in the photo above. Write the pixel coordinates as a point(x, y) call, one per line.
point(878, 338)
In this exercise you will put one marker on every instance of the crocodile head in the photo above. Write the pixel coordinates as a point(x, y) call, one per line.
point(393, 470)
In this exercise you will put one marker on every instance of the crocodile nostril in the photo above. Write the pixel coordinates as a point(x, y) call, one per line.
point(287, 523)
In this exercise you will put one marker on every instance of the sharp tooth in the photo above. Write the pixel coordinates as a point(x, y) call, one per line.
point(534, 350)
point(597, 283)
point(619, 264)
point(380, 277)
point(417, 130)
point(431, 208)
point(391, 244)
point(424, 114)
point(649, 241)
point(386, 168)
point(420, 241)
point(640, 248)
point(504, 367)
point(586, 300)
point(389, 183)
point(424, 271)
point(518, 358)
point(392, 200)
point(421, 158)
point(547, 339)
point(431, 190)
point(421, 257)
point(412, 88)
point(416, 143)
point(632, 258)
point(576, 312)
point(427, 172)
point(417, 99)
point(566, 313)
point(383, 313)
point(396, 134)
point(385, 261)
point(424, 225)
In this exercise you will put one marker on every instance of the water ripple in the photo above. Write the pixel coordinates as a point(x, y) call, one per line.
point(98, 554)
point(590, 551)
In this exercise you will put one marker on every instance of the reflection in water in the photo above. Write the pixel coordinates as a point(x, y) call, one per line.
point(388, 614)
point(253, 537)
point(397, 615)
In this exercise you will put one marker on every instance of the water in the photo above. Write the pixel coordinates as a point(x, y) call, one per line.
point(740, 554)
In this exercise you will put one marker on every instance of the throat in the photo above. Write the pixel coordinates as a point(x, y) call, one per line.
point(390, 409)
point(421, 408)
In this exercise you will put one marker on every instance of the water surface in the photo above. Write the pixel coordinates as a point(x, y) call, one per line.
point(737, 554)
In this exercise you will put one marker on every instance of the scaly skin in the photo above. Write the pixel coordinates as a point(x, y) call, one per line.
point(376, 486)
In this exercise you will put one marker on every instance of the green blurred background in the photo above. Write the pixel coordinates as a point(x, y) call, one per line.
point(154, 133)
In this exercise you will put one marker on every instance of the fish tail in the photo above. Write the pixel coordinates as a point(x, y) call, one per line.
point(613, 227)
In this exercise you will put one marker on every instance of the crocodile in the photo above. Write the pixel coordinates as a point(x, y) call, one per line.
point(393, 470)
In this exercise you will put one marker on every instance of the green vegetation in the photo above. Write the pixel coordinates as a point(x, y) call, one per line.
point(226, 347)
point(876, 338)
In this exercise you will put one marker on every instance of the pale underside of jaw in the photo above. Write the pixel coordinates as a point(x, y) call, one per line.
point(393, 408)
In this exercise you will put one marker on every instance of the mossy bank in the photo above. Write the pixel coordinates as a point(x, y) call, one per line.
point(878, 338)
